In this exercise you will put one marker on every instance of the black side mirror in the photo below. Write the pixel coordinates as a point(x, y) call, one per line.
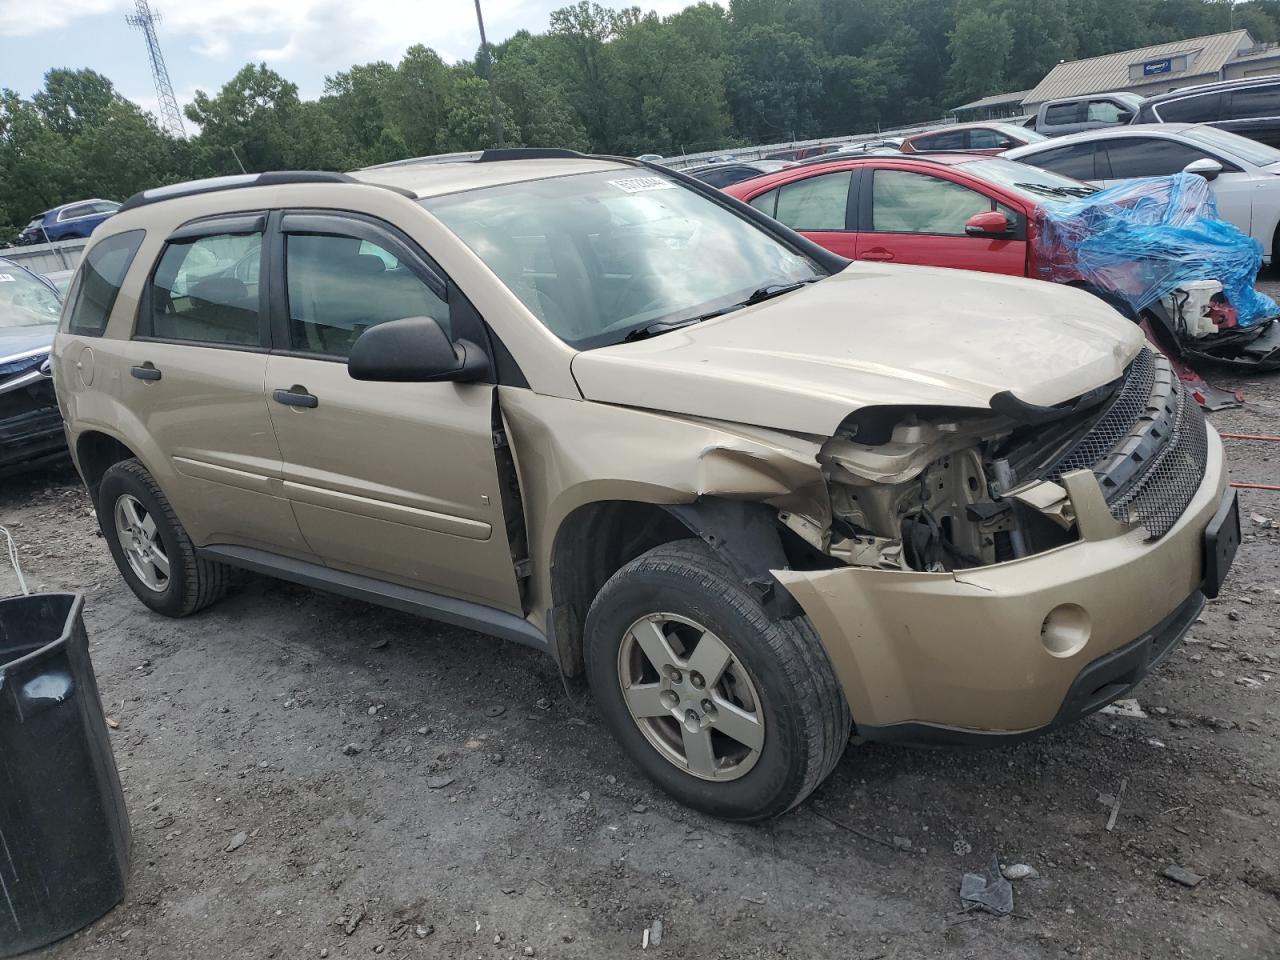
point(415, 350)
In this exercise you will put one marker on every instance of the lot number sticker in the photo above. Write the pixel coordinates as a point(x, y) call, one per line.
point(641, 184)
point(7, 278)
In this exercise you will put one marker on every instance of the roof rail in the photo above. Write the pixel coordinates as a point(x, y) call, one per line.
point(274, 178)
point(528, 153)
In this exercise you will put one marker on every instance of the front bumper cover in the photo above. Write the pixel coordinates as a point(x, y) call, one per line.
point(960, 656)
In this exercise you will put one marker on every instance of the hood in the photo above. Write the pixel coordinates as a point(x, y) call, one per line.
point(871, 335)
point(16, 341)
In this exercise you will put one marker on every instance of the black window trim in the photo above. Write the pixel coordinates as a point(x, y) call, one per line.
point(311, 221)
point(866, 216)
point(221, 224)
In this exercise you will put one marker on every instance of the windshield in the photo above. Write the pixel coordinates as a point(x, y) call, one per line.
point(1031, 182)
point(598, 256)
point(1250, 151)
point(25, 301)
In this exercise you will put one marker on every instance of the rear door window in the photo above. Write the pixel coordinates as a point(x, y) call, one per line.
point(818, 203)
point(1063, 113)
point(97, 282)
point(1190, 109)
point(1251, 103)
point(983, 138)
point(946, 140)
point(1130, 157)
point(200, 292)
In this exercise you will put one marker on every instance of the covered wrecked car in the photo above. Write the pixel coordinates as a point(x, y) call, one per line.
point(1158, 247)
point(1153, 248)
point(30, 425)
point(753, 495)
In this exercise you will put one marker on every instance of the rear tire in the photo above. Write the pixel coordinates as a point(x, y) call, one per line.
point(150, 546)
point(743, 717)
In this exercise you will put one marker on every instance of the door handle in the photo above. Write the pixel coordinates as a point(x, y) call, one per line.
point(878, 254)
point(146, 371)
point(296, 396)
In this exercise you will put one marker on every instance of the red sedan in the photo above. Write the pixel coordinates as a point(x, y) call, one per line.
point(988, 138)
point(942, 210)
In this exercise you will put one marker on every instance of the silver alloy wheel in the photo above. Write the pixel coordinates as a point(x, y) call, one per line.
point(140, 541)
point(691, 697)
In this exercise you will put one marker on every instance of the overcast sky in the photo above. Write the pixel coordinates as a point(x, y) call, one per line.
point(206, 41)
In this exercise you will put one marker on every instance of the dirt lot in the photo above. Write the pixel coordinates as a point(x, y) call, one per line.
point(487, 815)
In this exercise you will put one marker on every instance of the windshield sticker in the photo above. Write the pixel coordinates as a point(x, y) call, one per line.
point(7, 278)
point(641, 184)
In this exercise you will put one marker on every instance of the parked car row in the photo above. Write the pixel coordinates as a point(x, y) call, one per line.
point(1249, 106)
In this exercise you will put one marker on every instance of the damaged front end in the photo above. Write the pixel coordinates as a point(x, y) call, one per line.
point(941, 489)
point(30, 423)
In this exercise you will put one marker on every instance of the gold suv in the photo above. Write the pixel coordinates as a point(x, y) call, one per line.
point(753, 495)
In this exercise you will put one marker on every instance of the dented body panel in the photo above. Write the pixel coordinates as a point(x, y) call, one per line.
point(964, 650)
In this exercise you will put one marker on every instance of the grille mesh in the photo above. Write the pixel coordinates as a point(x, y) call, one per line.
point(1117, 422)
point(1151, 402)
point(1162, 493)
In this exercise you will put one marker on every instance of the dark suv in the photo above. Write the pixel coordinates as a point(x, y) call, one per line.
point(1249, 107)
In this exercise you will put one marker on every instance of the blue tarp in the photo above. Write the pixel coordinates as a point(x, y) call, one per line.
point(1144, 238)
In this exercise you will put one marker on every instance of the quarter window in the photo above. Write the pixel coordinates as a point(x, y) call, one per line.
point(1148, 157)
point(97, 283)
point(339, 286)
point(197, 296)
point(905, 202)
point(818, 203)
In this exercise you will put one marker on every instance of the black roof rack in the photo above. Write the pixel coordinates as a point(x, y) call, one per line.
point(273, 178)
point(528, 153)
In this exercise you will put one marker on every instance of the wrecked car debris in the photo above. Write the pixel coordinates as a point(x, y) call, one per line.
point(988, 891)
point(1157, 247)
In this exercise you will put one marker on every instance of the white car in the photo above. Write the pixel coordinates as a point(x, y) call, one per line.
point(1245, 173)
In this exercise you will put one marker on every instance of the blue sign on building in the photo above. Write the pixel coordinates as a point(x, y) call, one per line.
point(1152, 67)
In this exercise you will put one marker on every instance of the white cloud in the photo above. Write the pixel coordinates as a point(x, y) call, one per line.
point(19, 18)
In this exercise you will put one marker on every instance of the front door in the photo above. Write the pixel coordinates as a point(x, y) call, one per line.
point(392, 480)
point(194, 375)
point(919, 218)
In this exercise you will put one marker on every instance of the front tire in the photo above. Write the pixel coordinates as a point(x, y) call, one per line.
point(731, 711)
point(150, 546)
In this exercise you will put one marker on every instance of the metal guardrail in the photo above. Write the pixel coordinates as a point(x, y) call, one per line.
point(47, 257)
point(757, 152)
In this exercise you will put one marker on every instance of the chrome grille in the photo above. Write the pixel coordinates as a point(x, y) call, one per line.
point(1149, 450)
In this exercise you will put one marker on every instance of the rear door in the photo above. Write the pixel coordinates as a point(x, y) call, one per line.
point(194, 374)
point(821, 206)
point(911, 216)
point(1254, 112)
point(1126, 158)
point(396, 481)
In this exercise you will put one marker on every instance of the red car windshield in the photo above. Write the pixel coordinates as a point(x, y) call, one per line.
point(1031, 183)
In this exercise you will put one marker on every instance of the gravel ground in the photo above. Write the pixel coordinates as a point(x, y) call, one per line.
point(481, 812)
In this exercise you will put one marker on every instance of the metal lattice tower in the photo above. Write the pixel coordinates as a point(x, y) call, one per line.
point(145, 20)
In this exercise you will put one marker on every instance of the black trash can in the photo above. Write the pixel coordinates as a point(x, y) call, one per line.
point(64, 829)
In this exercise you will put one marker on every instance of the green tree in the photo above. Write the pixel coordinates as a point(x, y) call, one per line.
point(980, 48)
point(773, 84)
